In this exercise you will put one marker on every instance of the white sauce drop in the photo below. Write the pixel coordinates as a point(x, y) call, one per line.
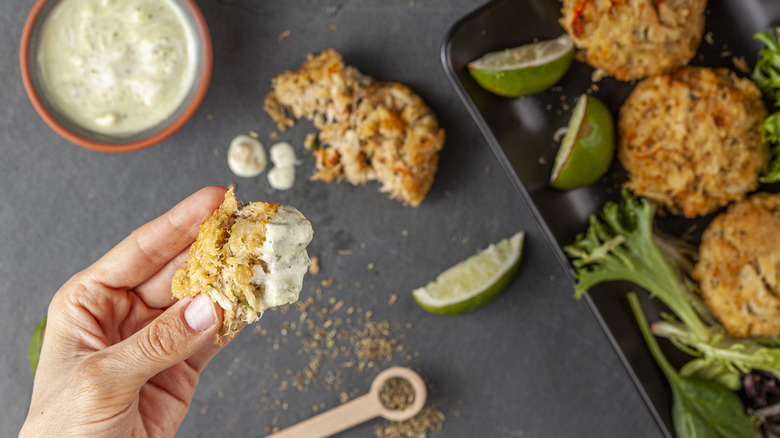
point(117, 66)
point(246, 156)
point(282, 176)
point(283, 155)
point(284, 254)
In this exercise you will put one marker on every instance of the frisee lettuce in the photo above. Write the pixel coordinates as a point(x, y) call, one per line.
point(620, 245)
point(766, 75)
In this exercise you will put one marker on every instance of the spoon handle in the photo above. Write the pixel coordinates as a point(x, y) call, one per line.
point(335, 420)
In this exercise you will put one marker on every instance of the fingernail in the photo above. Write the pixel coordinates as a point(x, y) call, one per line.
point(199, 314)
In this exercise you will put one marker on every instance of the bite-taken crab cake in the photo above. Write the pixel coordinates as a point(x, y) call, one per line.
point(247, 259)
point(391, 137)
point(370, 131)
point(739, 266)
point(689, 140)
point(633, 39)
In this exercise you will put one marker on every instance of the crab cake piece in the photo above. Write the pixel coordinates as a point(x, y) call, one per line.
point(689, 140)
point(322, 90)
point(391, 137)
point(633, 39)
point(247, 259)
point(739, 267)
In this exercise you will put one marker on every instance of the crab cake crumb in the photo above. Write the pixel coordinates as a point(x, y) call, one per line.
point(689, 140)
point(638, 38)
point(739, 267)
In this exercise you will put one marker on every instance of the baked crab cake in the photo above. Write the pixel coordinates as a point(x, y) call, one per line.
point(322, 90)
point(391, 137)
point(689, 140)
point(739, 266)
point(247, 258)
point(633, 39)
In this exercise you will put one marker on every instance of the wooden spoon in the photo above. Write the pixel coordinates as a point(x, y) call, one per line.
point(361, 409)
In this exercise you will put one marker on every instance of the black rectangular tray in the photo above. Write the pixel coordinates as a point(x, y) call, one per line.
point(520, 132)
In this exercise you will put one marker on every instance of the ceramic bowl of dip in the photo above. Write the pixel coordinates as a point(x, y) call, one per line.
point(115, 75)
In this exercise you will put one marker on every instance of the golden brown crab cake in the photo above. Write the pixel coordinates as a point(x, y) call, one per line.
point(689, 140)
point(247, 259)
point(322, 90)
point(633, 39)
point(391, 137)
point(739, 266)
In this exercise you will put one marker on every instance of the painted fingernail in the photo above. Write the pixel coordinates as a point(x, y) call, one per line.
point(199, 314)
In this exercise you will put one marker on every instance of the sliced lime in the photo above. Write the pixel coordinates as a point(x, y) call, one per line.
point(587, 148)
point(524, 70)
point(474, 281)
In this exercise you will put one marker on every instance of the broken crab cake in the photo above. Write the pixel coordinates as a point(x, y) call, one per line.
point(739, 267)
point(391, 137)
point(369, 131)
point(247, 259)
point(322, 90)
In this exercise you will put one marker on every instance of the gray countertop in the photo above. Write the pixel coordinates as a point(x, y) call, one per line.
point(533, 363)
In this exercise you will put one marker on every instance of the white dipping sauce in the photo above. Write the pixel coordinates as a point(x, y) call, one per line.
point(246, 156)
point(282, 176)
point(117, 66)
point(284, 253)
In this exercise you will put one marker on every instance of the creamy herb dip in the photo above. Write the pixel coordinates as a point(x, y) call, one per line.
point(284, 254)
point(246, 156)
point(282, 176)
point(117, 67)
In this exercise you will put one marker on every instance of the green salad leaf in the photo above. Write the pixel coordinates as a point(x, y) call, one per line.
point(770, 133)
point(701, 408)
point(620, 245)
point(766, 73)
point(766, 76)
point(739, 355)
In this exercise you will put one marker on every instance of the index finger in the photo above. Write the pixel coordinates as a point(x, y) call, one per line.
point(147, 249)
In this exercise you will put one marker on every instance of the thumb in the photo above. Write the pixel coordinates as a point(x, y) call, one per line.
point(175, 335)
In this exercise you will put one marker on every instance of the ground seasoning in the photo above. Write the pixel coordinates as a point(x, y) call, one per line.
point(338, 340)
point(397, 394)
point(423, 425)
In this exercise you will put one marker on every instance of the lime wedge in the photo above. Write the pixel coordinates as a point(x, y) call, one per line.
point(474, 281)
point(588, 146)
point(524, 70)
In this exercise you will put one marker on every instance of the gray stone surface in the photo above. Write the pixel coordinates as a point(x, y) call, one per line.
point(533, 363)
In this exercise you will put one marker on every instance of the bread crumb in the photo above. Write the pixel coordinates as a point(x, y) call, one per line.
point(314, 267)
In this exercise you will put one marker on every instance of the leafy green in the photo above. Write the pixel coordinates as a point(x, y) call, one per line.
point(36, 342)
point(770, 133)
point(766, 75)
point(701, 408)
point(620, 245)
point(707, 368)
point(739, 355)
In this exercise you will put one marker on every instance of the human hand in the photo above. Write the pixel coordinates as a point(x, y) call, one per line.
point(120, 356)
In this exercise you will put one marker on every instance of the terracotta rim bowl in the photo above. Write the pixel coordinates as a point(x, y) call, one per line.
point(102, 142)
